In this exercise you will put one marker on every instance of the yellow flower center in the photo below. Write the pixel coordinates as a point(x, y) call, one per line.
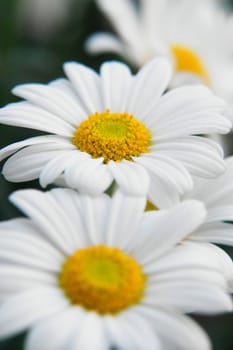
point(187, 60)
point(102, 279)
point(113, 136)
point(150, 206)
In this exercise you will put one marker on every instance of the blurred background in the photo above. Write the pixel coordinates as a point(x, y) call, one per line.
point(36, 37)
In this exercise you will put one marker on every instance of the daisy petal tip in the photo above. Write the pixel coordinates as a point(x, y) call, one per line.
point(90, 44)
point(113, 64)
point(68, 63)
point(14, 196)
point(43, 182)
point(100, 42)
point(19, 87)
point(9, 174)
point(228, 125)
point(67, 66)
point(16, 88)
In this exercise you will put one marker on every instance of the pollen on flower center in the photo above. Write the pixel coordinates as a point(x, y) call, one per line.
point(150, 206)
point(113, 136)
point(186, 60)
point(102, 279)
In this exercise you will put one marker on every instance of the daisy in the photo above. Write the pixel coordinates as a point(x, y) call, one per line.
point(94, 272)
point(195, 36)
point(111, 127)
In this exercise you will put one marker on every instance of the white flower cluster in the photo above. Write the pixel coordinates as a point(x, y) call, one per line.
point(124, 246)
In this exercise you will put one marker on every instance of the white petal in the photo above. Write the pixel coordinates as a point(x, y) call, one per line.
point(97, 340)
point(199, 155)
point(200, 274)
point(18, 225)
point(103, 42)
point(72, 205)
point(52, 100)
point(27, 164)
point(195, 123)
point(172, 171)
point(115, 83)
point(18, 278)
point(147, 87)
point(190, 297)
point(49, 216)
point(88, 175)
point(8, 150)
point(216, 192)
point(86, 82)
point(25, 309)
point(124, 216)
point(65, 87)
point(144, 335)
point(226, 265)
point(182, 330)
point(216, 232)
point(195, 294)
point(56, 166)
point(24, 114)
point(132, 178)
point(55, 331)
point(129, 331)
point(213, 196)
point(187, 255)
point(220, 213)
point(182, 101)
point(128, 30)
point(164, 231)
point(30, 251)
point(95, 213)
point(161, 192)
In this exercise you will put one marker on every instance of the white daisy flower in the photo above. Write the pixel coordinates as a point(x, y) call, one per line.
point(94, 272)
point(111, 127)
point(196, 36)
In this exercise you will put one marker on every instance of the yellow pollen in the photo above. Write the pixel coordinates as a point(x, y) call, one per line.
point(102, 279)
point(150, 206)
point(113, 136)
point(188, 61)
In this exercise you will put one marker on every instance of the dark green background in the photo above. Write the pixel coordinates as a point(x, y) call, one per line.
point(25, 57)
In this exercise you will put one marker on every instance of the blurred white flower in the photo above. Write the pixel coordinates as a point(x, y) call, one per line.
point(115, 126)
point(196, 36)
point(43, 17)
point(91, 273)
